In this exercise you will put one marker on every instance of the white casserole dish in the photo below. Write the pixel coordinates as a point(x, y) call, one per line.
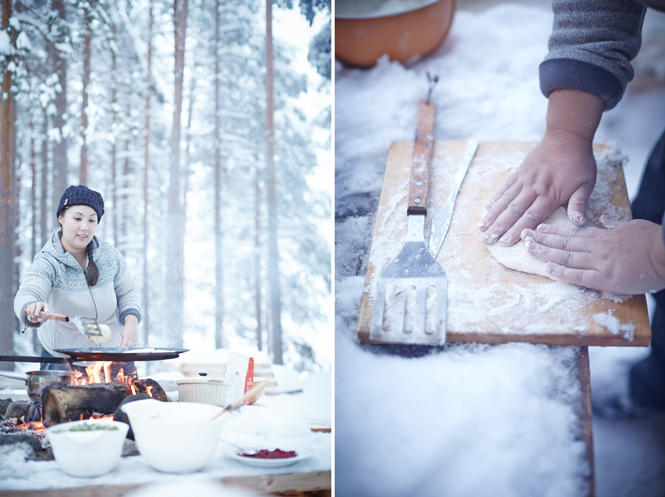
point(203, 390)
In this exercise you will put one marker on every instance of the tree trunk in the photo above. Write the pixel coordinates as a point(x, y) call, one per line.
point(87, 49)
point(219, 271)
point(185, 187)
point(146, 170)
point(257, 251)
point(60, 181)
point(7, 210)
point(33, 188)
point(174, 303)
point(273, 251)
point(45, 215)
point(122, 209)
point(114, 118)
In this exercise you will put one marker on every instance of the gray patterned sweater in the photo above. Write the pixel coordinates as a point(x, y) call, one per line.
point(56, 278)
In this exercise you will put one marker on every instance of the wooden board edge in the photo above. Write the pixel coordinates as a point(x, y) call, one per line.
point(538, 339)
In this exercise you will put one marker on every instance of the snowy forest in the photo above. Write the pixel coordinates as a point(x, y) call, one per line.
point(205, 125)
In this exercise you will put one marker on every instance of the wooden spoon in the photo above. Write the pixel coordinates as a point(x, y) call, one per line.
point(242, 399)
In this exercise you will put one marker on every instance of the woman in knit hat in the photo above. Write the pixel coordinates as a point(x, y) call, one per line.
point(77, 274)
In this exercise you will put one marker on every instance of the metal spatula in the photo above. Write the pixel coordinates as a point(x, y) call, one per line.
point(87, 326)
point(414, 272)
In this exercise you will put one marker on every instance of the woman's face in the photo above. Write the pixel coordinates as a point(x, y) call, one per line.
point(79, 224)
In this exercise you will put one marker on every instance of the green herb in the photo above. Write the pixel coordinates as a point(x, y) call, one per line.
point(91, 427)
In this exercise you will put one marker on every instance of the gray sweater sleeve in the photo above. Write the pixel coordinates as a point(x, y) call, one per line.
point(127, 293)
point(35, 287)
point(591, 46)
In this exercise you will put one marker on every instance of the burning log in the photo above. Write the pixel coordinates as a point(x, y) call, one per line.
point(152, 388)
point(65, 403)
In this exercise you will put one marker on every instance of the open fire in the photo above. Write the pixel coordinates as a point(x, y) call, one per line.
point(96, 390)
point(101, 372)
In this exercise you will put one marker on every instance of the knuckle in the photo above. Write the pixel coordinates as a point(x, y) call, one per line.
point(569, 256)
point(514, 208)
point(531, 215)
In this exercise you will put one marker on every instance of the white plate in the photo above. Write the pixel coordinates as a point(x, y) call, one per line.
point(231, 452)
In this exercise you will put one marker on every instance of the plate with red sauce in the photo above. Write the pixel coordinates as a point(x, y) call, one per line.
point(267, 458)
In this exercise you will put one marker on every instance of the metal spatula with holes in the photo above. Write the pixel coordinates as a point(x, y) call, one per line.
point(411, 300)
point(87, 326)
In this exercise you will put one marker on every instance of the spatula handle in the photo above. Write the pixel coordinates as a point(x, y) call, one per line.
point(422, 155)
point(48, 315)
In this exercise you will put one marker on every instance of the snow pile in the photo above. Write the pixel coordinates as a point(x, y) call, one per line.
point(431, 426)
point(614, 326)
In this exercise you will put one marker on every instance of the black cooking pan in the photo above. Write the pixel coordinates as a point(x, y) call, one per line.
point(102, 354)
point(118, 354)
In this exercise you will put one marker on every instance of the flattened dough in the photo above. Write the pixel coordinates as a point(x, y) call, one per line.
point(106, 334)
point(517, 256)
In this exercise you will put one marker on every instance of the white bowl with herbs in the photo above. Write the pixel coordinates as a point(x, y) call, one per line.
point(87, 448)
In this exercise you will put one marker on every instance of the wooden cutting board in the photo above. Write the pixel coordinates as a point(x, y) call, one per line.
point(488, 303)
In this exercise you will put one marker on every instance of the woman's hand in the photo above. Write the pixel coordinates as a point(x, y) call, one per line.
point(129, 334)
point(627, 259)
point(560, 169)
point(34, 311)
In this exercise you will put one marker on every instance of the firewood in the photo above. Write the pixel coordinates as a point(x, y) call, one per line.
point(157, 392)
point(65, 403)
point(19, 409)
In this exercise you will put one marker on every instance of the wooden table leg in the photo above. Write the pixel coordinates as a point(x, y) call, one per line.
point(585, 413)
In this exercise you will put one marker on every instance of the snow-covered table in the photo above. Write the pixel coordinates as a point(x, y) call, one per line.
point(274, 420)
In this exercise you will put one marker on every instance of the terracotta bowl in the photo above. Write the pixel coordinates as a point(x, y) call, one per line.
point(366, 30)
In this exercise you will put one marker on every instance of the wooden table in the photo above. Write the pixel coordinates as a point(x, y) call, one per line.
point(493, 317)
point(316, 484)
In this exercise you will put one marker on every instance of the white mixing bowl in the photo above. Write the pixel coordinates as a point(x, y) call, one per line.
point(87, 453)
point(175, 437)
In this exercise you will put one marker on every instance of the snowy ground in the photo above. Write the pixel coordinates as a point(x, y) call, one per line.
point(474, 420)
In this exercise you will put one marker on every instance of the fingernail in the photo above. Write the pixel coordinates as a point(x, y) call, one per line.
point(526, 232)
point(578, 218)
point(543, 228)
point(531, 245)
point(489, 238)
point(554, 269)
point(482, 225)
point(506, 239)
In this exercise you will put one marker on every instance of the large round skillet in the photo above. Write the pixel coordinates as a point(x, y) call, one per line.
point(117, 354)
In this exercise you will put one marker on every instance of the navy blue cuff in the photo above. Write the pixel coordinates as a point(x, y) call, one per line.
point(578, 75)
point(124, 313)
point(662, 226)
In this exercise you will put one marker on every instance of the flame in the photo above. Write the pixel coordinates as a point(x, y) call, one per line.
point(148, 389)
point(35, 425)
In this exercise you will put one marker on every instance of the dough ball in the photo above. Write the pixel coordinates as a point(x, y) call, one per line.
point(106, 334)
point(517, 256)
